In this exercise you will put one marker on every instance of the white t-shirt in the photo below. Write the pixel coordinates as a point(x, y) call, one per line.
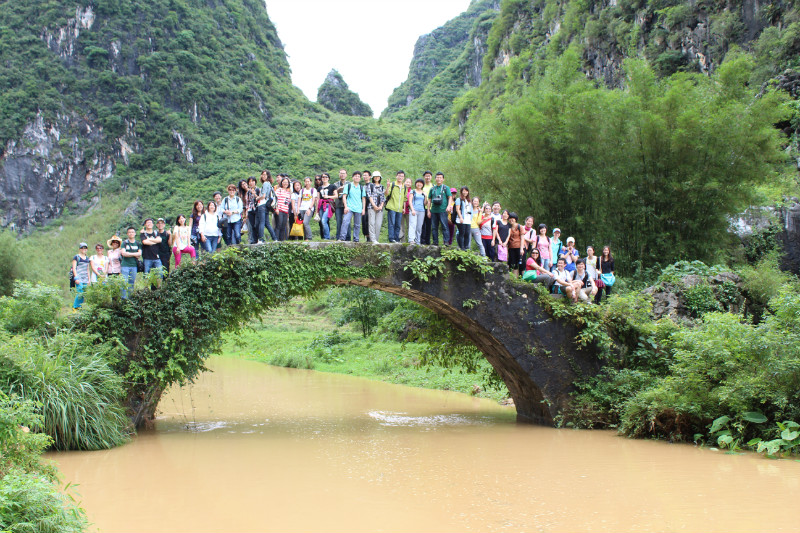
point(307, 198)
point(208, 224)
point(101, 263)
point(563, 275)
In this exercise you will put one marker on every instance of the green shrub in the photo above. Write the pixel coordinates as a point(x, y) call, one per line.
point(292, 360)
point(32, 307)
point(69, 376)
point(30, 503)
point(9, 262)
point(30, 499)
point(700, 299)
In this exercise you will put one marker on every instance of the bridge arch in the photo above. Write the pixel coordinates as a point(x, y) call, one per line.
point(169, 332)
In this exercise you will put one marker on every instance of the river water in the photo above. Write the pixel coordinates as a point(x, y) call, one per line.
point(251, 447)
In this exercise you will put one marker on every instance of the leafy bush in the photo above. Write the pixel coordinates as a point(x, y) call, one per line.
point(292, 360)
point(700, 299)
point(32, 307)
point(69, 376)
point(30, 503)
point(725, 367)
point(30, 499)
point(9, 262)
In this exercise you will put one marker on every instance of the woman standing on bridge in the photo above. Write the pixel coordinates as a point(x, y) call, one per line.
point(181, 240)
point(474, 228)
point(284, 197)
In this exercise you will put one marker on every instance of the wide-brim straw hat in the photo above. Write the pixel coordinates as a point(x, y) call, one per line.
point(112, 239)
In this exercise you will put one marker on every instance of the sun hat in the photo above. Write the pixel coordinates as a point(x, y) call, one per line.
point(112, 239)
point(377, 173)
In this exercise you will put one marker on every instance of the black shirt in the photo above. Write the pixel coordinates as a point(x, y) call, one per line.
point(502, 230)
point(149, 251)
point(606, 267)
point(163, 246)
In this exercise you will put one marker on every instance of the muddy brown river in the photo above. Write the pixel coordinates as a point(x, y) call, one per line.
point(251, 448)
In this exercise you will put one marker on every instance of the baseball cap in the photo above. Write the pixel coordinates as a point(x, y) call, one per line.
point(160, 220)
point(556, 230)
point(453, 189)
point(83, 245)
point(570, 240)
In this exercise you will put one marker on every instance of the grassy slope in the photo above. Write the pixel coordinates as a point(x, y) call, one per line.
point(284, 336)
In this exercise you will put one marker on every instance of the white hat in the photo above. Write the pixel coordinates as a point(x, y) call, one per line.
point(571, 240)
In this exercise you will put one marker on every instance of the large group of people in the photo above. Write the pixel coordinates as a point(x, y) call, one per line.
point(416, 211)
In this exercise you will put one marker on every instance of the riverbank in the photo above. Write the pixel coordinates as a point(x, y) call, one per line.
point(295, 336)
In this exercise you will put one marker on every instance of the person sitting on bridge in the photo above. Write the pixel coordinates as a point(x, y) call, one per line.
point(562, 279)
point(535, 272)
point(582, 284)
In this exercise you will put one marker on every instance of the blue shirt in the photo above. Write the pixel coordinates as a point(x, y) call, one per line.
point(233, 204)
point(418, 200)
point(355, 197)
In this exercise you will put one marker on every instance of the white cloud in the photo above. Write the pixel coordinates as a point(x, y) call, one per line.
point(370, 42)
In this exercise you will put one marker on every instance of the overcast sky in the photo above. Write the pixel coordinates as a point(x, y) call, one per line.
point(370, 42)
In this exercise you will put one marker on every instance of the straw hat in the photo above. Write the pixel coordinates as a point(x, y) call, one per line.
point(112, 239)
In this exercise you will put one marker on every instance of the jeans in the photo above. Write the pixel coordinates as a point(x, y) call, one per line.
point(375, 219)
point(129, 274)
point(211, 244)
point(395, 219)
point(489, 249)
point(340, 223)
point(269, 226)
point(436, 219)
point(79, 288)
point(283, 226)
point(233, 233)
point(599, 296)
point(475, 233)
point(403, 225)
point(415, 226)
point(463, 236)
point(225, 235)
point(256, 218)
point(546, 264)
point(150, 264)
point(307, 225)
point(452, 228)
point(346, 225)
point(325, 224)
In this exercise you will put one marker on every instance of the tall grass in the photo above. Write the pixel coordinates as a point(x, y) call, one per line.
point(70, 377)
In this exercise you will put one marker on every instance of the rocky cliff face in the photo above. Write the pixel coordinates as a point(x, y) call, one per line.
point(53, 164)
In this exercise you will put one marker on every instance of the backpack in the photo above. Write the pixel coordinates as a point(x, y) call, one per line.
point(71, 276)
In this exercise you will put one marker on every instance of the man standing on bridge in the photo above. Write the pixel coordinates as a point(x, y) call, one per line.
point(441, 203)
point(339, 203)
point(355, 203)
point(395, 198)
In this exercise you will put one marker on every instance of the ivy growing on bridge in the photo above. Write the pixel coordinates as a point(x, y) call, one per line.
point(172, 330)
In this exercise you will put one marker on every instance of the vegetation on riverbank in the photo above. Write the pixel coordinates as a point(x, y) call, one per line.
point(309, 334)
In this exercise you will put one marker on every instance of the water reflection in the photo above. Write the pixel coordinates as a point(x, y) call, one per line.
point(257, 448)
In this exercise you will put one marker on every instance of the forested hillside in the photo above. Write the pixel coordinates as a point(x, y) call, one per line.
point(170, 98)
point(446, 63)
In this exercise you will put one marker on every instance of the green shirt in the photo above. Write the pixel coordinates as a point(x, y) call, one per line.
point(395, 197)
point(131, 248)
point(442, 190)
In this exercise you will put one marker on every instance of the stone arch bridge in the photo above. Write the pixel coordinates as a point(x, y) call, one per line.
point(534, 354)
point(168, 332)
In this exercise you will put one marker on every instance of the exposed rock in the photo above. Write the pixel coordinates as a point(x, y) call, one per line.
point(49, 167)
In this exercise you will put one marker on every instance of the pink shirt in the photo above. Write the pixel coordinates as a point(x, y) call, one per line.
point(114, 257)
point(543, 246)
